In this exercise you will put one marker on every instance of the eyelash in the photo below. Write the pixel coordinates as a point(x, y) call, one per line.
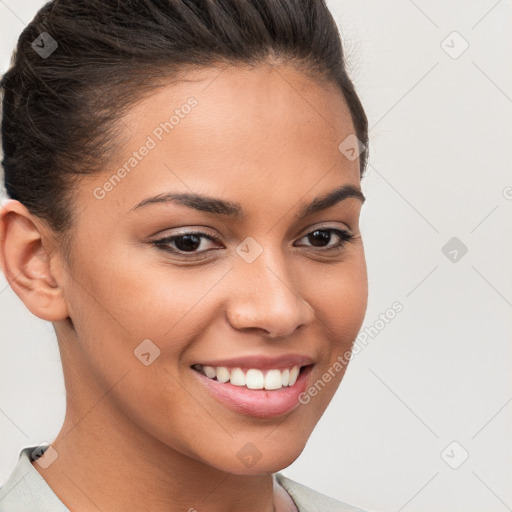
point(163, 243)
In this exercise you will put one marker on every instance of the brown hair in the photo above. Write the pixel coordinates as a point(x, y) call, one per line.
point(59, 109)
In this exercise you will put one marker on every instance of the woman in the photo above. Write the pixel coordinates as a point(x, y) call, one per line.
point(184, 182)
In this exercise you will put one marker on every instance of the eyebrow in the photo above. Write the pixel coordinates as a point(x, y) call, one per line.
point(234, 210)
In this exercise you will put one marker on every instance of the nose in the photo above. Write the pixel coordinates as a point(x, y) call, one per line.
point(265, 298)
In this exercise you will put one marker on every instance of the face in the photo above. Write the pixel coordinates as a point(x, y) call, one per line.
point(208, 258)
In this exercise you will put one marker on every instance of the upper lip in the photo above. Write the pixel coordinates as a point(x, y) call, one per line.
point(263, 362)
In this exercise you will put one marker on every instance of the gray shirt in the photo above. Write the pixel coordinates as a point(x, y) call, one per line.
point(26, 491)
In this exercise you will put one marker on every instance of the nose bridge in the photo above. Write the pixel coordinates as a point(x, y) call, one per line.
point(266, 295)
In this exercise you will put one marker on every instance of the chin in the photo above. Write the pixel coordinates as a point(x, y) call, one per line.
point(256, 458)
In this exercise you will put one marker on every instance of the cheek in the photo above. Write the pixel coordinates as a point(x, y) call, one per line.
point(347, 309)
point(134, 295)
point(118, 304)
point(113, 312)
point(341, 298)
point(340, 309)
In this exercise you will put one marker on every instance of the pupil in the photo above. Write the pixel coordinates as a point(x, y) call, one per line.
point(321, 236)
point(188, 242)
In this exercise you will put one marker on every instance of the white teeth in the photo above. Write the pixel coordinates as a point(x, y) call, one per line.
point(210, 371)
point(286, 377)
point(294, 373)
point(222, 374)
point(253, 378)
point(237, 377)
point(274, 380)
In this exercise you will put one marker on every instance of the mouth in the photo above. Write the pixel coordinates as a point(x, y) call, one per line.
point(270, 389)
point(252, 378)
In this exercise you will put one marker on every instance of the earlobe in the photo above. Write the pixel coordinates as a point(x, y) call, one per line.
point(26, 260)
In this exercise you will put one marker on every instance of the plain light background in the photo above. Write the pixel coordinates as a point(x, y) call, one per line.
point(433, 385)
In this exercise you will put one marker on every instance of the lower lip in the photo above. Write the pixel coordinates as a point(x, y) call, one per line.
point(260, 403)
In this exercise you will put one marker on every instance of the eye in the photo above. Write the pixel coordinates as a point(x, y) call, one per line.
point(193, 243)
point(185, 243)
point(321, 238)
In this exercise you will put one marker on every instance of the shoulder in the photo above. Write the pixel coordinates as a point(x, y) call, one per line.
point(25, 490)
point(309, 500)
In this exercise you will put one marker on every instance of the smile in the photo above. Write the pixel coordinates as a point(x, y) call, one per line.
point(260, 387)
point(252, 378)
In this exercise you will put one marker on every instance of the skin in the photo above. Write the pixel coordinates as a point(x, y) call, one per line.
point(266, 137)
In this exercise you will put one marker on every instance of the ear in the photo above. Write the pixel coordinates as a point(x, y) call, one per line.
point(27, 257)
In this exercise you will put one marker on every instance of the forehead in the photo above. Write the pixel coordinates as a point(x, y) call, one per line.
point(244, 132)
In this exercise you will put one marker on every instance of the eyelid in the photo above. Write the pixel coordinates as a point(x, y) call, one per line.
point(187, 230)
point(325, 225)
